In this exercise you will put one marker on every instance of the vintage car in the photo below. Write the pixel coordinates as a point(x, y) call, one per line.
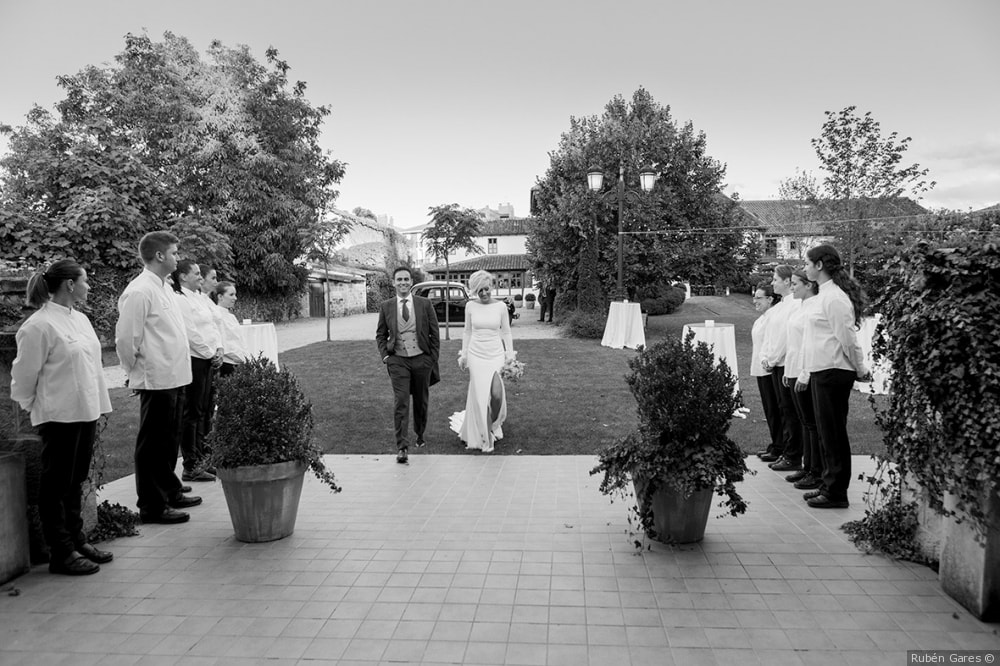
point(434, 290)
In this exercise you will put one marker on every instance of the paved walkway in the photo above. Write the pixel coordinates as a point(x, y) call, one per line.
point(485, 560)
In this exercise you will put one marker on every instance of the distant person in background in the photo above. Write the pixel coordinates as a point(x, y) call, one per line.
point(811, 475)
point(205, 349)
point(833, 361)
point(763, 299)
point(772, 356)
point(58, 378)
point(153, 350)
point(234, 352)
point(548, 298)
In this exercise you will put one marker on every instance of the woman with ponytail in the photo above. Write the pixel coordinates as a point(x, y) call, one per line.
point(832, 362)
point(58, 378)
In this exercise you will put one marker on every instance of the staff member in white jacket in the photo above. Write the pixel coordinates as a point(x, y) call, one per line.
point(152, 346)
point(833, 362)
point(205, 349)
point(58, 378)
point(811, 475)
point(763, 301)
point(772, 357)
point(234, 351)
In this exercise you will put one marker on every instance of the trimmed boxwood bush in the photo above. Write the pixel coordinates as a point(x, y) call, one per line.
point(664, 304)
point(529, 297)
point(580, 324)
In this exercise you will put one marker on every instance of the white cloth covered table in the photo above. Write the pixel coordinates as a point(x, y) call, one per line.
point(624, 327)
point(261, 339)
point(721, 338)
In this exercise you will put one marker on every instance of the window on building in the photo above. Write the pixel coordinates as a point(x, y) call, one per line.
point(793, 245)
point(770, 247)
point(491, 245)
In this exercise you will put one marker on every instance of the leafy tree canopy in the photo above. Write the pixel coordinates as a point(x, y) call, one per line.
point(693, 222)
point(224, 151)
point(364, 212)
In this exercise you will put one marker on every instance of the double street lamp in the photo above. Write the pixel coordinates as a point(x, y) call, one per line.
point(595, 181)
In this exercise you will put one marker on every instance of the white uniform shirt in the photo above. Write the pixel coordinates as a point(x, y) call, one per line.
point(797, 339)
point(199, 322)
point(58, 375)
point(831, 340)
point(757, 336)
point(150, 337)
point(232, 342)
point(775, 344)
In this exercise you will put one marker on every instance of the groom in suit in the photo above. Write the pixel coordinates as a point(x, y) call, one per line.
point(408, 342)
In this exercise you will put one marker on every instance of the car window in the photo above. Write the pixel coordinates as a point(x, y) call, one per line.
point(433, 294)
point(455, 294)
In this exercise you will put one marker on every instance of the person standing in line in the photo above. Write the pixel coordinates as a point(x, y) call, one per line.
point(409, 344)
point(772, 357)
point(811, 475)
point(833, 361)
point(235, 352)
point(153, 350)
point(487, 344)
point(58, 378)
point(763, 300)
point(205, 348)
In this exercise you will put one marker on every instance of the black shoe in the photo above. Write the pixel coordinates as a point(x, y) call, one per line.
point(197, 475)
point(75, 564)
point(812, 494)
point(808, 482)
point(184, 501)
point(401, 457)
point(770, 457)
point(95, 555)
point(420, 444)
point(185, 489)
point(824, 502)
point(762, 453)
point(785, 465)
point(796, 476)
point(211, 470)
point(167, 517)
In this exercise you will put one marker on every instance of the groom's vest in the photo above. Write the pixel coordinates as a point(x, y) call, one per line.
point(406, 333)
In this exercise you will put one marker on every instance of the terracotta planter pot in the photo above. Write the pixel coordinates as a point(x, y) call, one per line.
point(263, 500)
point(676, 518)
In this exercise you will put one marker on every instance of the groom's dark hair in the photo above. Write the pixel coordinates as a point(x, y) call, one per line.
point(402, 268)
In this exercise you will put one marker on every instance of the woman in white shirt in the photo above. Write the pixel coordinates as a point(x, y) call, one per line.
point(772, 357)
point(833, 360)
point(234, 351)
point(811, 474)
point(205, 349)
point(58, 378)
point(763, 299)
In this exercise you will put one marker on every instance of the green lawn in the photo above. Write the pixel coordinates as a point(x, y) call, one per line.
point(571, 401)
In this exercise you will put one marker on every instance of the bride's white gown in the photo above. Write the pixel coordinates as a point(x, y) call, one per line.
point(487, 333)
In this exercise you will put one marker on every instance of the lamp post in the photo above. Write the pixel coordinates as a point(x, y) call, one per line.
point(595, 181)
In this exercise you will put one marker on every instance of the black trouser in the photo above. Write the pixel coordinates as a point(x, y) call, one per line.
point(160, 414)
point(196, 399)
point(812, 458)
point(772, 412)
point(831, 399)
point(410, 376)
point(66, 452)
point(226, 370)
point(791, 437)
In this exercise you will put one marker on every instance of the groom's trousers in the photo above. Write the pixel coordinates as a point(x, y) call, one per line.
point(411, 376)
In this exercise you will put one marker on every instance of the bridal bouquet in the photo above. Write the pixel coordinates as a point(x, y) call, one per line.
point(512, 370)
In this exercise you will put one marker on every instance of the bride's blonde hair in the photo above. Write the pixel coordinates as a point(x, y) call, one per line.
point(480, 280)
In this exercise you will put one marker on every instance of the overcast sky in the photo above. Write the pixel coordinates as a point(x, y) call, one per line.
point(438, 102)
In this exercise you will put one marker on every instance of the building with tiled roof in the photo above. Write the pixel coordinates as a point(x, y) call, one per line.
point(790, 227)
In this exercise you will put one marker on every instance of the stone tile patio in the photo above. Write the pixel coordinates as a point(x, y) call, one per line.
point(486, 560)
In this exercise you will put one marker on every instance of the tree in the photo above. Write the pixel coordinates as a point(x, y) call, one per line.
point(321, 241)
point(218, 150)
point(364, 212)
point(685, 227)
point(451, 228)
point(862, 168)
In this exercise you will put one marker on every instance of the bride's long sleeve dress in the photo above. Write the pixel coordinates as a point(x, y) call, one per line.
point(485, 343)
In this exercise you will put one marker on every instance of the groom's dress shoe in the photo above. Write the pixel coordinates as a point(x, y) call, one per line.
point(401, 457)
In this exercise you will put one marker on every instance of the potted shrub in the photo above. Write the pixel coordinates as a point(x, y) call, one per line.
point(261, 446)
point(518, 300)
point(681, 452)
point(529, 301)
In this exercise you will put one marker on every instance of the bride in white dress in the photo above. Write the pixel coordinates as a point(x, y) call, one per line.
point(486, 344)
